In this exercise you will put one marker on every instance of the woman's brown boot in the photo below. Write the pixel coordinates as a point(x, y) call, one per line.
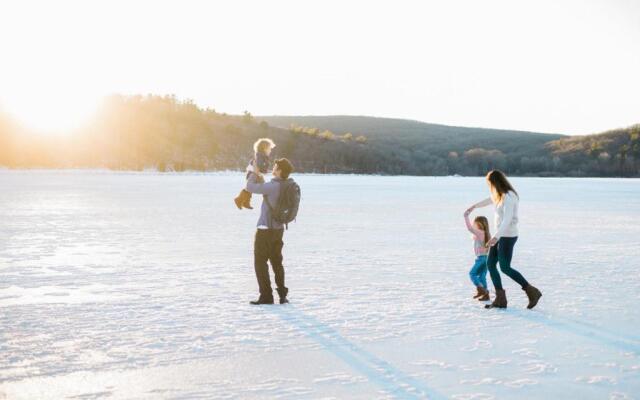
point(485, 294)
point(500, 301)
point(533, 294)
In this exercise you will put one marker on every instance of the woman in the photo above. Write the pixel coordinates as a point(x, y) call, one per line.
point(505, 200)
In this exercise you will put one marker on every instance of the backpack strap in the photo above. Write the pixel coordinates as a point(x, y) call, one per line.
point(266, 200)
point(271, 209)
point(282, 189)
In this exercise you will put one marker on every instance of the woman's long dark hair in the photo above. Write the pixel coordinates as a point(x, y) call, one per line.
point(500, 185)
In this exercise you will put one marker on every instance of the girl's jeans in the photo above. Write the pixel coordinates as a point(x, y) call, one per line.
point(478, 272)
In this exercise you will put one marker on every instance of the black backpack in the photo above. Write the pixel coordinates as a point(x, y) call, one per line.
point(288, 203)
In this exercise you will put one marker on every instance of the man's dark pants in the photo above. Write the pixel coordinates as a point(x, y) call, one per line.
point(268, 247)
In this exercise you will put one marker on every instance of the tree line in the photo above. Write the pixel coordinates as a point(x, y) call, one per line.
point(167, 134)
point(612, 153)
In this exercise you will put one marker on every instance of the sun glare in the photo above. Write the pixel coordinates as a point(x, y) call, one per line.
point(50, 115)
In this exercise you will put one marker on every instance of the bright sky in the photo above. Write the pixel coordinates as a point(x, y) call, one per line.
point(545, 65)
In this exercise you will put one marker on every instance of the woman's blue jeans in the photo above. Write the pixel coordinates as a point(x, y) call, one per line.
point(501, 254)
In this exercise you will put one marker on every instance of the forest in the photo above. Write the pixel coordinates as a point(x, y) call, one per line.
point(166, 134)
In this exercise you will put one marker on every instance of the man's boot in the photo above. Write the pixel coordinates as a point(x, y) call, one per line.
point(262, 300)
point(484, 296)
point(283, 295)
point(500, 301)
point(533, 294)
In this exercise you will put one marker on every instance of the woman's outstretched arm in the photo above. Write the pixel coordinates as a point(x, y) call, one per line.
point(483, 203)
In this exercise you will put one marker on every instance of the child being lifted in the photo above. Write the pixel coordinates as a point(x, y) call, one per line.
point(262, 150)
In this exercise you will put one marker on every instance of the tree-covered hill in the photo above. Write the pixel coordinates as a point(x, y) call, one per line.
point(612, 153)
point(470, 151)
point(420, 141)
point(163, 133)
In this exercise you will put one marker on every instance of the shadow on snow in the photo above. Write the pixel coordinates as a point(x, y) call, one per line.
point(377, 370)
point(592, 332)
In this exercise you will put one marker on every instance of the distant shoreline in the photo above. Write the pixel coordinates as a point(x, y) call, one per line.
point(241, 173)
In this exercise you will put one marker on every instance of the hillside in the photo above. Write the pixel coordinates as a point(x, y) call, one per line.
point(430, 149)
point(612, 153)
point(163, 133)
point(469, 151)
point(409, 133)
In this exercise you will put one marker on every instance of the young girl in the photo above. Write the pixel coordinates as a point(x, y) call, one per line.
point(505, 200)
point(262, 150)
point(478, 273)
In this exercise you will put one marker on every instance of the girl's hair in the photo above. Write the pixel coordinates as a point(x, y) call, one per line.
point(499, 185)
point(261, 145)
point(484, 225)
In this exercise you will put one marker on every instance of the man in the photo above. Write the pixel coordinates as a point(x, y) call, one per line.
point(268, 241)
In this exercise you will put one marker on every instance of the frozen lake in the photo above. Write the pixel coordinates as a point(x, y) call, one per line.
point(136, 286)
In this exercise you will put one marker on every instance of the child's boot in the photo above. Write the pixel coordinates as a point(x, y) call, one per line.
point(479, 292)
point(242, 201)
point(238, 201)
point(247, 200)
point(485, 294)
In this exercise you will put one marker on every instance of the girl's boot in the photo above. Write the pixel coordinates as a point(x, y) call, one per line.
point(485, 294)
point(243, 200)
point(247, 200)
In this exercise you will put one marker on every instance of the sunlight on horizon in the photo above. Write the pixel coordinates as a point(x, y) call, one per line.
point(51, 113)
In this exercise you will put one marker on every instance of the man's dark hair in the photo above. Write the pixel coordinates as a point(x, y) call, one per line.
point(285, 167)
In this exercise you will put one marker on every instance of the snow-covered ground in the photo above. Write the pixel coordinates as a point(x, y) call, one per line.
point(136, 286)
